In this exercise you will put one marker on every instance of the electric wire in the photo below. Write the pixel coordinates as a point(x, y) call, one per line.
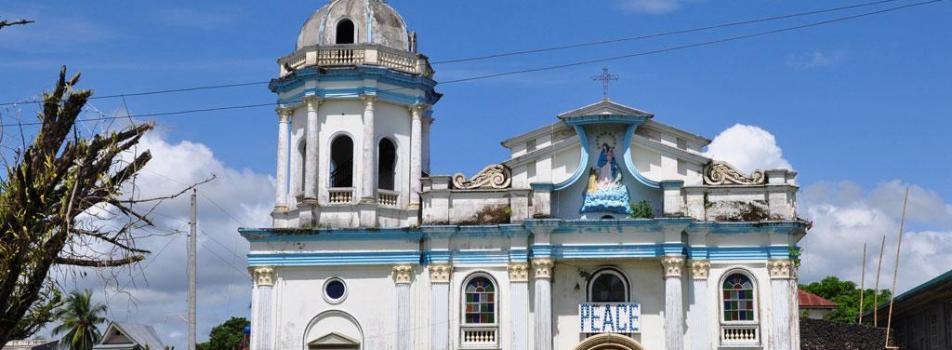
point(512, 53)
point(544, 68)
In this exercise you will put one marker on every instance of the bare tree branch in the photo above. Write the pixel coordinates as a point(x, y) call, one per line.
point(5, 23)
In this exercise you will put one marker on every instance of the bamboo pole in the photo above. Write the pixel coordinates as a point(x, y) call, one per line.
point(879, 267)
point(892, 297)
point(862, 286)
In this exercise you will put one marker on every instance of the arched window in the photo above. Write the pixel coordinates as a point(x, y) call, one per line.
point(480, 296)
point(345, 32)
point(386, 164)
point(738, 298)
point(608, 286)
point(342, 162)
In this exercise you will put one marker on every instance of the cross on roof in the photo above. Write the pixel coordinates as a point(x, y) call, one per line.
point(606, 78)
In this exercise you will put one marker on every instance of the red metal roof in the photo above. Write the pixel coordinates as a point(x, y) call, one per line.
point(812, 301)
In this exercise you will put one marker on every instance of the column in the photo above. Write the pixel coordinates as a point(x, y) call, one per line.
point(699, 313)
point(543, 303)
point(440, 306)
point(780, 300)
point(281, 198)
point(519, 294)
point(368, 172)
point(673, 303)
point(261, 324)
point(402, 275)
point(310, 149)
point(416, 147)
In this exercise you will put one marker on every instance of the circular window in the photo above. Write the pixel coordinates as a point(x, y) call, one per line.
point(335, 290)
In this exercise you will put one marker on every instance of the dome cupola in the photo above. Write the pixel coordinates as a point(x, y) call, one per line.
point(342, 22)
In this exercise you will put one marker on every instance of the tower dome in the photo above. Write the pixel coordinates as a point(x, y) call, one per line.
point(355, 22)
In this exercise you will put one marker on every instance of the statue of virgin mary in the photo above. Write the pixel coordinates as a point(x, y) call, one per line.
point(606, 192)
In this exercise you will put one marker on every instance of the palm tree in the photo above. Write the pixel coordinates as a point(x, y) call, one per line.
point(79, 317)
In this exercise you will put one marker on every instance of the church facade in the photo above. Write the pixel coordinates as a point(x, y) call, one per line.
point(605, 229)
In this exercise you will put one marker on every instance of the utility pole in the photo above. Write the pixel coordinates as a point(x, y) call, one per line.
point(192, 271)
point(892, 295)
point(862, 286)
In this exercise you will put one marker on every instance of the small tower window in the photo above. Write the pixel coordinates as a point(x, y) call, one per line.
point(387, 163)
point(345, 32)
point(342, 162)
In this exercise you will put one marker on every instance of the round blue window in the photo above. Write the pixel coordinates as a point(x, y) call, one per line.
point(335, 289)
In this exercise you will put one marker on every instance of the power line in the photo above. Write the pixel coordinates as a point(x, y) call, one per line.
point(546, 68)
point(514, 53)
point(688, 46)
point(661, 34)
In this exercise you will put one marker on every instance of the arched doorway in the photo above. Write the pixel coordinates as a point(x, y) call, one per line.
point(609, 341)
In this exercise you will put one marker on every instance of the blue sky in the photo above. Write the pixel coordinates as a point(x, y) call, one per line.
point(860, 108)
point(864, 100)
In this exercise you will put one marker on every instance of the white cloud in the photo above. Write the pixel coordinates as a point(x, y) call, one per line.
point(654, 7)
point(815, 59)
point(154, 292)
point(845, 216)
point(748, 148)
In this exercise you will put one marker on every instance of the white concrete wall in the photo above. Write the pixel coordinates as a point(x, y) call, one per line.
point(647, 288)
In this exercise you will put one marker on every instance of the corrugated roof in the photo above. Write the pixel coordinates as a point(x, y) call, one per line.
point(142, 335)
point(812, 301)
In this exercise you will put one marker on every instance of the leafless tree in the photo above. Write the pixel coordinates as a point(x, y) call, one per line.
point(66, 200)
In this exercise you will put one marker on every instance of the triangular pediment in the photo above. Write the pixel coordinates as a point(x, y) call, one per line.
point(115, 335)
point(334, 341)
point(605, 107)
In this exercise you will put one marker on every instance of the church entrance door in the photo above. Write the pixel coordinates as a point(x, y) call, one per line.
point(609, 341)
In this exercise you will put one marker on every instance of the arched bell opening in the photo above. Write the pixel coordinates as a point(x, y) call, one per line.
point(342, 162)
point(386, 165)
point(345, 32)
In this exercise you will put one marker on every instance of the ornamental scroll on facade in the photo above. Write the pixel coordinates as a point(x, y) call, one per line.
point(722, 173)
point(495, 176)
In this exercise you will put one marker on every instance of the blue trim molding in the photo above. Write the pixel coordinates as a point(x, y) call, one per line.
point(408, 245)
point(630, 164)
point(582, 161)
point(359, 75)
point(335, 258)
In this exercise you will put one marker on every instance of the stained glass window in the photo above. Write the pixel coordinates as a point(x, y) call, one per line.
point(480, 301)
point(738, 298)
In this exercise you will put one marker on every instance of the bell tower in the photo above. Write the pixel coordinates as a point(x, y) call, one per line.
point(354, 117)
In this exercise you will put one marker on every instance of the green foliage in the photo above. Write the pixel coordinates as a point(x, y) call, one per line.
point(226, 336)
point(846, 296)
point(79, 318)
point(641, 210)
point(795, 253)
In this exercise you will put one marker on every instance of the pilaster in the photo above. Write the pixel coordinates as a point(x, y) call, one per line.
point(699, 310)
point(673, 303)
point(281, 175)
point(440, 305)
point(416, 148)
point(402, 277)
point(519, 294)
point(310, 148)
point(782, 298)
point(262, 325)
point(368, 172)
point(543, 302)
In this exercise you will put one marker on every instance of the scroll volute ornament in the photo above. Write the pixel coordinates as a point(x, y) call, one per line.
point(722, 173)
point(495, 176)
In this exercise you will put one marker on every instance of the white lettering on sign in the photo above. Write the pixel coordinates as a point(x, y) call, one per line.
point(609, 317)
